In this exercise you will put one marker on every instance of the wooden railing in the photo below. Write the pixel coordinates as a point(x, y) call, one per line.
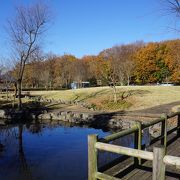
point(158, 156)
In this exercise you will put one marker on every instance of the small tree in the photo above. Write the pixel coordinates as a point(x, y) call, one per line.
point(109, 72)
point(25, 31)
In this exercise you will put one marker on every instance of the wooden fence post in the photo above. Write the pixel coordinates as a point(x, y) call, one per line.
point(158, 164)
point(139, 139)
point(178, 125)
point(164, 131)
point(92, 156)
point(138, 142)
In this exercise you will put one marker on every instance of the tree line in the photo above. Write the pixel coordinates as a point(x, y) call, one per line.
point(136, 63)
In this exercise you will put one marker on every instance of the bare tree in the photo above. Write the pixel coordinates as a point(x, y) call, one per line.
point(80, 72)
point(25, 31)
point(109, 71)
point(6, 80)
point(1, 73)
point(172, 8)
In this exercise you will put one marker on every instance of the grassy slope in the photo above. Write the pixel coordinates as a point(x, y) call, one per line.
point(141, 96)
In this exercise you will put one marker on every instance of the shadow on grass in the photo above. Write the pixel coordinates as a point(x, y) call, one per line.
point(164, 108)
point(92, 95)
point(120, 93)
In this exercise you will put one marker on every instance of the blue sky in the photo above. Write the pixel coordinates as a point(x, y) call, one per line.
point(86, 27)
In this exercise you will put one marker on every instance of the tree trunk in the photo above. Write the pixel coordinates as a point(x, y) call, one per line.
point(128, 80)
point(22, 157)
point(67, 83)
point(19, 83)
point(7, 96)
point(20, 129)
point(114, 94)
point(15, 89)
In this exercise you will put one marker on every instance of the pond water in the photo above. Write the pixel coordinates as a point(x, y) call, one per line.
point(45, 152)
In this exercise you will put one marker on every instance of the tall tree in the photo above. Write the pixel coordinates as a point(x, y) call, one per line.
point(172, 59)
point(25, 31)
point(145, 64)
point(65, 69)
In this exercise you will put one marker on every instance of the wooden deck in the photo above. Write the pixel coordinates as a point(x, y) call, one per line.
point(139, 164)
point(127, 169)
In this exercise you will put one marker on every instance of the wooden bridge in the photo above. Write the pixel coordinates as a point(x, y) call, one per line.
point(159, 161)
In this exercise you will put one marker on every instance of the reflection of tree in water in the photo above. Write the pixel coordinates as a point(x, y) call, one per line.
point(6, 137)
point(34, 128)
point(24, 165)
point(12, 136)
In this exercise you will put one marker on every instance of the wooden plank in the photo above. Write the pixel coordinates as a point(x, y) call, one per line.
point(172, 160)
point(136, 174)
point(92, 157)
point(174, 147)
point(139, 172)
point(120, 167)
point(140, 175)
point(124, 150)
point(102, 176)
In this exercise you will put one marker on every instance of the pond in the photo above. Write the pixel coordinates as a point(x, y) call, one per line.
point(40, 151)
point(45, 151)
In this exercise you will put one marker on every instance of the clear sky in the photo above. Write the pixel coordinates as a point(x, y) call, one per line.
point(86, 27)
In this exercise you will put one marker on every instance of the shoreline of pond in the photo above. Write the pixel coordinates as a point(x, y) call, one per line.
point(92, 119)
point(113, 121)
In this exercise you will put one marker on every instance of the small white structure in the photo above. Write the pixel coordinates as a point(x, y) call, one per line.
point(77, 85)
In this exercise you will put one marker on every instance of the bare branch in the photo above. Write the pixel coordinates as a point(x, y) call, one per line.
point(25, 31)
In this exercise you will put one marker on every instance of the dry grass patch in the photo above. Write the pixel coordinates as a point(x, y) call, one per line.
point(141, 97)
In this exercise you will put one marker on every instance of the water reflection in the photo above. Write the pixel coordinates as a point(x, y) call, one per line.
point(48, 151)
point(25, 169)
point(44, 151)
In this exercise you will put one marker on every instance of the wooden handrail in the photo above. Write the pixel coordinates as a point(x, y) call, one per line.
point(119, 134)
point(156, 121)
point(157, 156)
point(162, 118)
point(124, 151)
point(135, 128)
point(172, 160)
